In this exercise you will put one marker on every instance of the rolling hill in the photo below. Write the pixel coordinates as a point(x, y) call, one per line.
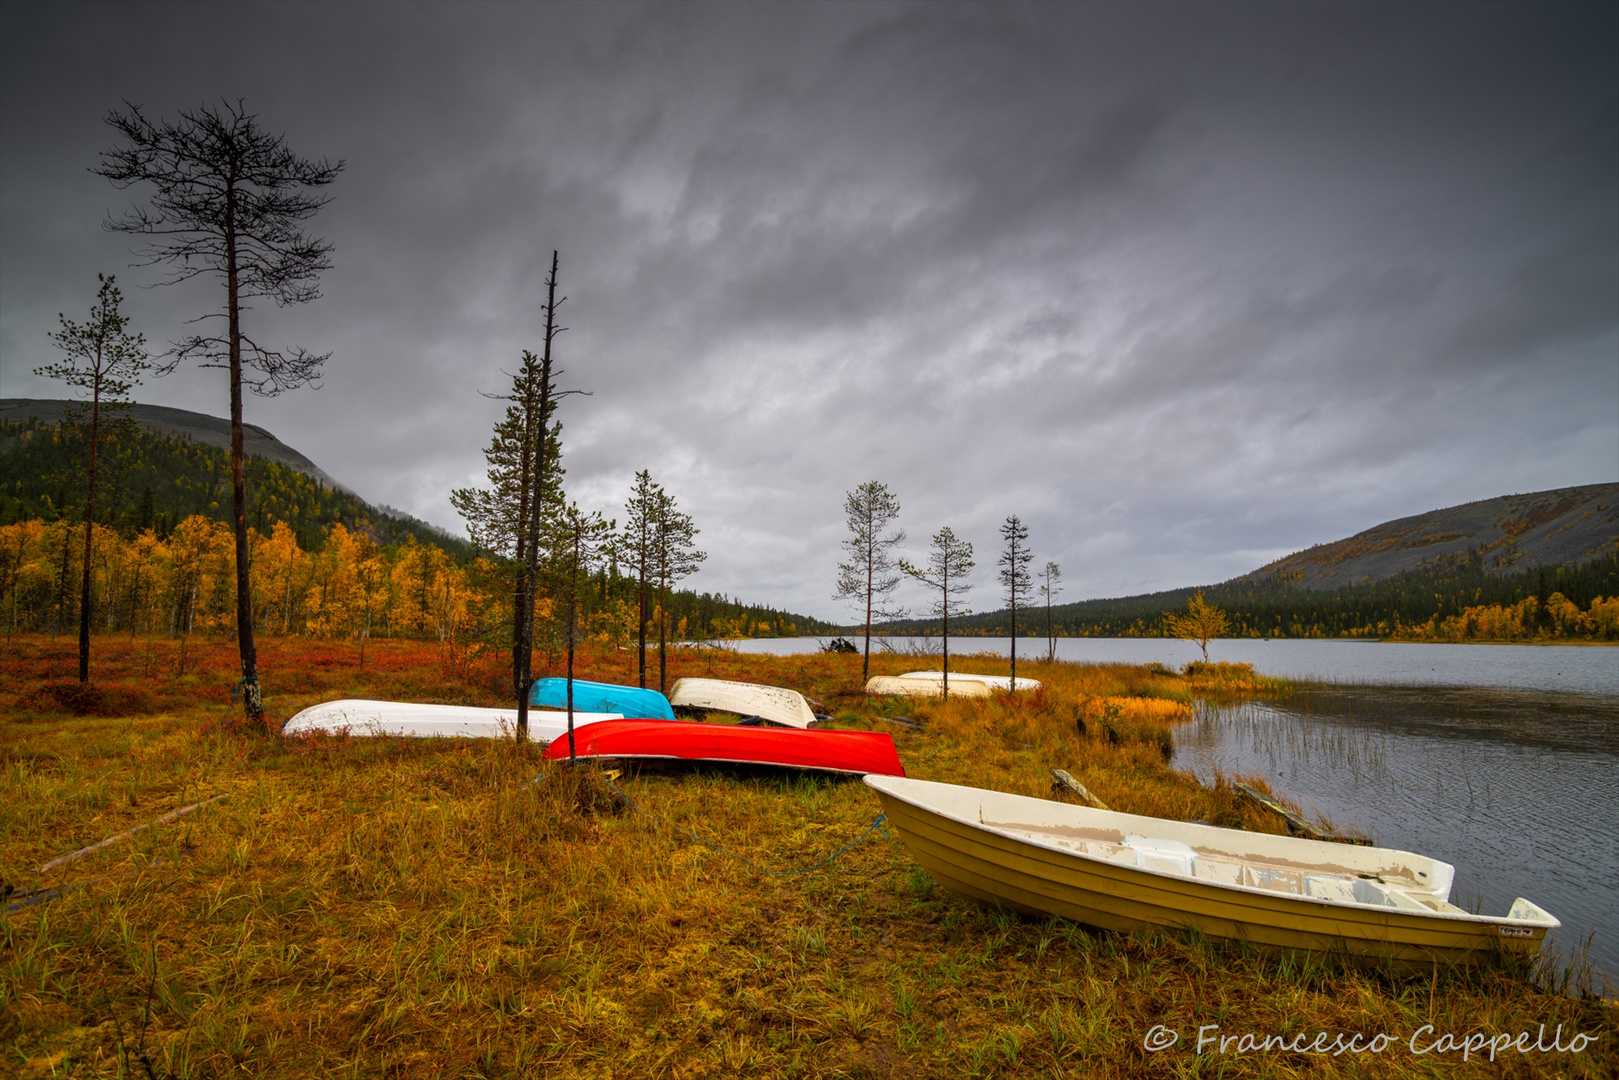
point(1400, 573)
point(1510, 534)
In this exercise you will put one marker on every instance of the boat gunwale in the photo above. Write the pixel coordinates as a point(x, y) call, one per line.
point(859, 743)
point(635, 756)
point(1551, 922)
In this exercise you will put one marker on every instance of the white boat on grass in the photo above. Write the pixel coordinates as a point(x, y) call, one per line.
point(994, 682)
point(776, 704)
point(896, 686)
point(1125, 872)
point(360, 717)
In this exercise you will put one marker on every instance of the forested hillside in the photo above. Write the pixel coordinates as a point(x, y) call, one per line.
point(153, 481)
point(325, 562)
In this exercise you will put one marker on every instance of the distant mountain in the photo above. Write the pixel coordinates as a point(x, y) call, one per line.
point(1400, 573)
point(178, 464)
point(182, 423)
point(1509, 534)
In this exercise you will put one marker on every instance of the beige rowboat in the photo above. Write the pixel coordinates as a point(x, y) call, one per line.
point(774, 703)
point(1124, 872)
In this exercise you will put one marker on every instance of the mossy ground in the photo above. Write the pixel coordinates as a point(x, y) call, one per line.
point(383, 908)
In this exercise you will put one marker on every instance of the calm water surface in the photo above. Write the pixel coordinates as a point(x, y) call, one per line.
point(1580, 669)
point(1519, 790)
point(1502, 760)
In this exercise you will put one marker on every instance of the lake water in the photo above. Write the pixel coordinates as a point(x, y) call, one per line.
point(1502, 760)
point(1519, 790)
point(1580, 669)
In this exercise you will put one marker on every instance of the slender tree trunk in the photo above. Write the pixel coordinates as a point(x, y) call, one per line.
point(522, 613)
point(252, 697)
point(944, 577)
point(1051, 641)
point(865, 662)
point(663, 636)
point(641, 642)
point(535, 508)
point(1013, 688)
point(573, 598)
point(89, 529)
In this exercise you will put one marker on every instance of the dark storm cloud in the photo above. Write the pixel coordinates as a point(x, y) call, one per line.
point(1186, 287)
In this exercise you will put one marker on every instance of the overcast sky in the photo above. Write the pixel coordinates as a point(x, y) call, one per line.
point(1186, 288)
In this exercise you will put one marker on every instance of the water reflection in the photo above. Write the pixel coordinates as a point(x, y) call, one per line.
point(1519, 790)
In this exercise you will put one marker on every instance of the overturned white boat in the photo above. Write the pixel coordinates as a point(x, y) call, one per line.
point(776, 704)
point(994, 682)
point(898, 686)
point(359, 717)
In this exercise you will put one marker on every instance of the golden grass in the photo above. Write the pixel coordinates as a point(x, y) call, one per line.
point(383, 908)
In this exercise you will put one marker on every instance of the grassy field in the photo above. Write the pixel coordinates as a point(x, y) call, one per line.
point(380, 908)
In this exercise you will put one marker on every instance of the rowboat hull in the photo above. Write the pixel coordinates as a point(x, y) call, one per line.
point(1123, 872)
point(892, 686)
point(358, 717)
point(630, 702)
point(852, 752)
point(774, 703)
point(994, 682)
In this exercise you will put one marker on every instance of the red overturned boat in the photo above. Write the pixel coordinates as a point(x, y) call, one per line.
point(856, 752)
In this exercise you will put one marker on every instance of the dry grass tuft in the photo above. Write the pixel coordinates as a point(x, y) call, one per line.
point(383, 908)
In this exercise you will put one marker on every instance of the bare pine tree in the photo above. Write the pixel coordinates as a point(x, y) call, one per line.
point(103, 361)
point(872, 572)
point(1014, 574)
point(228, 202)
point(525, 478)
point(949, 562)
point(1049, 589)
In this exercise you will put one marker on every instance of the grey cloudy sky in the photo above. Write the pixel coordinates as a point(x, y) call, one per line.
point(1186, 287)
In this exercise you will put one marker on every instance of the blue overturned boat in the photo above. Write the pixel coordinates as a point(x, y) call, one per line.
point(630, 702)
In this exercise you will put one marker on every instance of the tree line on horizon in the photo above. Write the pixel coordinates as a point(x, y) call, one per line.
point(1456, 599)
point(349, 587)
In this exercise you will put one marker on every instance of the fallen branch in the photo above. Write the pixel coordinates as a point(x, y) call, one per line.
point(30, 897)
point(1061, 780)
point(1296, 824)
point(164, 820)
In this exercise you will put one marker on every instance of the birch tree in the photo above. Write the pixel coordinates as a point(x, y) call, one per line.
point(1202, 623)
point(872, 573)
point(228, 202)
point(103, 361)
point(949, 562)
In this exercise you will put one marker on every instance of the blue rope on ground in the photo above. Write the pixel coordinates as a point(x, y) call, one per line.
point(875, 825)
point(237, 689)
